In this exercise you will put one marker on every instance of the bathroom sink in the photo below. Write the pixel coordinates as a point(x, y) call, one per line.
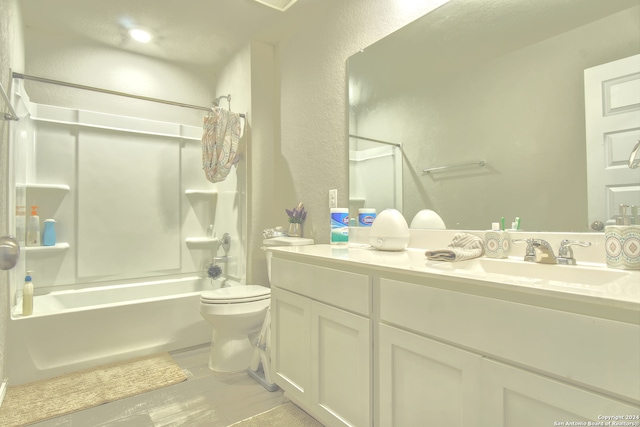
point(529, 271)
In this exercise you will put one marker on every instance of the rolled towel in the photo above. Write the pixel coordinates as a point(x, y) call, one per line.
point(463, 246)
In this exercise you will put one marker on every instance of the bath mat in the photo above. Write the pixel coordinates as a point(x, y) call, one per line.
point(287, 414)
point(41, 400)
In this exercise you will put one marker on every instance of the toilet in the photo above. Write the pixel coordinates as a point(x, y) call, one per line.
point(236, 314)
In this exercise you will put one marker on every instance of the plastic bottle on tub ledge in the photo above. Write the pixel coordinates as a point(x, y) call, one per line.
point(339, 226)
point(27, 296)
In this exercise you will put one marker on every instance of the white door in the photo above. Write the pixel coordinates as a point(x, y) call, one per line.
point(612, 114)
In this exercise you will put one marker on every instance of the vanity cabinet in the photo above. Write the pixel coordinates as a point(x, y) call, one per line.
point(376, 346)
point(321, 341)
point(555, 366)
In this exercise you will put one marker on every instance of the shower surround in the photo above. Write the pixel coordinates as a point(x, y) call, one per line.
point(132, 206)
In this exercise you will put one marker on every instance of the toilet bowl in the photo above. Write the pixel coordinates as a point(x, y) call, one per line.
point(236, 314)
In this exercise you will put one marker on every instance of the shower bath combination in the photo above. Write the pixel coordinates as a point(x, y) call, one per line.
point(94, 293)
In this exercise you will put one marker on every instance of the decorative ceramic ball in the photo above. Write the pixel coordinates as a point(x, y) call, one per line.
point(427, 218)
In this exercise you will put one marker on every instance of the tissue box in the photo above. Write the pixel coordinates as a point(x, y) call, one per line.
point(622, 244)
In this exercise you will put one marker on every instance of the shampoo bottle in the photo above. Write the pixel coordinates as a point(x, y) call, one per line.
point(27, 296)
point(33, 228)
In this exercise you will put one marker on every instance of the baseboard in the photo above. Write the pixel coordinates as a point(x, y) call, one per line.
point(3, 390)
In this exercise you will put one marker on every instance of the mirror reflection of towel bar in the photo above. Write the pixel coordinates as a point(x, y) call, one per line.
point(634, 162)
point(479, 163)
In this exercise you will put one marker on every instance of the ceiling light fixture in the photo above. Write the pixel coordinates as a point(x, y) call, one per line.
point(280, 5)
point(140, 35)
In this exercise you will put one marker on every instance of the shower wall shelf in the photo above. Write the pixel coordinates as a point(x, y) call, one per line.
point(201, 240)
point(200, 192)
point(224, 259)
point(57, 247)
point(60, 187)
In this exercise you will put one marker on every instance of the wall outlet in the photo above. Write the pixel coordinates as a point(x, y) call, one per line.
point(333, 198)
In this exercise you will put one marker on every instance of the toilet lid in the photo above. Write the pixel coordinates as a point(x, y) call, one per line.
point(233, 294)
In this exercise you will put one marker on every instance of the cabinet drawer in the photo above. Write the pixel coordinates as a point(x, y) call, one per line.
point(588, 350)
point(343, 289)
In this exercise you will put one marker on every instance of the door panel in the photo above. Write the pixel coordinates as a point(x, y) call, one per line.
point(612, 114)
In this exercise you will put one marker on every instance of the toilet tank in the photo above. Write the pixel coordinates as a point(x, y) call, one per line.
point(282, 241)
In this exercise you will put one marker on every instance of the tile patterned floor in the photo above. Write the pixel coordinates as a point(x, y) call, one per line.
point(205, 399)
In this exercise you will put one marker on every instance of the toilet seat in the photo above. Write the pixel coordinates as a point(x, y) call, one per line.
point(236, 294)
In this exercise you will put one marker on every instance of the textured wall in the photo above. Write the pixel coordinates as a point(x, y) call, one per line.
point(11, 58)
point(312, 154)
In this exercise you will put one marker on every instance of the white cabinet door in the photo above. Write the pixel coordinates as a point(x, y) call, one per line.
point(340, 366)
point(426, 383)
point(290, 343)
point(516, 398)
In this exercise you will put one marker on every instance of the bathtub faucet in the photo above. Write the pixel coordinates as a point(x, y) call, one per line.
point(225, 242)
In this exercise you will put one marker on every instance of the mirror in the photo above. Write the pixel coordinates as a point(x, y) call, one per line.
point(495, 89)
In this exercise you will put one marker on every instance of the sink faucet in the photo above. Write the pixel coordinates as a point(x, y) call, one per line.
point(543, 252)
point(540, 251)
point(565, 253)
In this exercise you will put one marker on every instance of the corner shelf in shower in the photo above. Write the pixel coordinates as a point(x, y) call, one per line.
point(201, 240)
point(57, 247)
point(59, 187)
point(190, 192)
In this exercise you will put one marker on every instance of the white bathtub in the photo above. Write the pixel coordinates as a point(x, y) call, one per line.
point(80, 329)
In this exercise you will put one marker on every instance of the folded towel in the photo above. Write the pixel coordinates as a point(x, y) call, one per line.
point(463, 246)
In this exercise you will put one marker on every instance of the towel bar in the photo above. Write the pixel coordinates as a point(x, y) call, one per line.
point(479, 163)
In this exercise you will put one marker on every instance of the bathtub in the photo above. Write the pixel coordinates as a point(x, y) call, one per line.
point(81, 329)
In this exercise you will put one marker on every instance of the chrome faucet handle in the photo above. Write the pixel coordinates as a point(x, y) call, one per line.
point(530, 252)
point(544, 252)
point(565, 253)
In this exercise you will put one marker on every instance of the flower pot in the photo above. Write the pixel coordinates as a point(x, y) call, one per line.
point(295, 229)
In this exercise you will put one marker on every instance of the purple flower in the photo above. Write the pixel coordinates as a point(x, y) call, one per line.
point(297, 214)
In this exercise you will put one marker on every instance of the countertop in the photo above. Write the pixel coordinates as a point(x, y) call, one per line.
point(620, 292)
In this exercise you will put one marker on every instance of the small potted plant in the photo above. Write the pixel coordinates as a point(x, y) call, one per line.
point(296, 216)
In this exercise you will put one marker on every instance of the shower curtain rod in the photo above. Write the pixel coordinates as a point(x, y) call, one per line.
point(110, 92)
point(395, 144)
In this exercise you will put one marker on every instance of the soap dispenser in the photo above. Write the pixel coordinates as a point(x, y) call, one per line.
point(33, 228)
point(497, 243)
point(621, 246)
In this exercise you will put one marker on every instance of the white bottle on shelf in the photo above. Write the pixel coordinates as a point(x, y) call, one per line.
point(21, 224)
point(33, 228)
point(27, 296)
